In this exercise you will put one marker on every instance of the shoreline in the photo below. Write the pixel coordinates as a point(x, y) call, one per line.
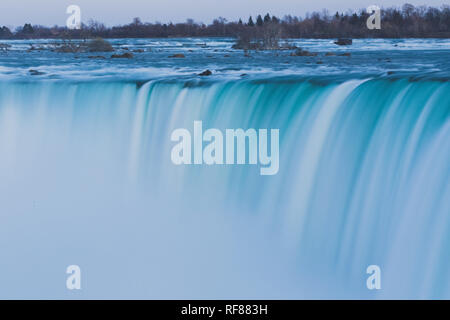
point(223, 37)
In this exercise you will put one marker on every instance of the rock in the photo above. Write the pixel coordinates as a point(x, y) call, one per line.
point(4, 47)
point(35, 72)
point(244, 75)
point(346, 54)
point(177, 55)
point(99, 45)
point(69, 48)
point(226, 56)
point(329, 54)
point(96, 57)
point(303, 53)
point(126, 55)
point(319, 62)
point(344, 42)
point(390, 73)
point(33, 48)
point(205, 73)
point(139, 50)
point(287, 46)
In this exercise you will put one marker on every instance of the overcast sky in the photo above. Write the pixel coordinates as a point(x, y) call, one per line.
point(113, 12)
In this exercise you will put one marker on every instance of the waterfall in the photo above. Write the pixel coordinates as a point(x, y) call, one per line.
point(86, 178)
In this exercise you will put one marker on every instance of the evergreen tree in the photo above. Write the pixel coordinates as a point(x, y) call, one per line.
point(27, 28)
point(240, 21)
point(250, 22)
point(5, 33)
point(267, 18)
point(354, 19)
point(259, 21)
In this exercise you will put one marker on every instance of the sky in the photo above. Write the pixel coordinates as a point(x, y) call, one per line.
point(15, 13)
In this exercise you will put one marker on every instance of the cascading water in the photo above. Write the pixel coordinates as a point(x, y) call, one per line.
point(86, 178)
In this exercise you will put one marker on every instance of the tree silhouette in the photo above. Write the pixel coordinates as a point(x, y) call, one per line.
point(27, 28)
point(5, 33)
point(259, 21)
point(407, 22)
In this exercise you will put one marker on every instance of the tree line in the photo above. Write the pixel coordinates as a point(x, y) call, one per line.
point(406, 22)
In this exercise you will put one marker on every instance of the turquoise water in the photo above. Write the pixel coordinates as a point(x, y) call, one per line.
point(86, 176)
point(369, 58)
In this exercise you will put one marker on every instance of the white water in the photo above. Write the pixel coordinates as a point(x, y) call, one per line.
point(86, 178)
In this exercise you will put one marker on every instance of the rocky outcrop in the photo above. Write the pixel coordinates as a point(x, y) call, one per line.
point(344, 42)
point(99, 45)
point(205, 73)
point(126, 55)
point(4, 47)
point(177, 55)
point(303, 53)
point(33, 72)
